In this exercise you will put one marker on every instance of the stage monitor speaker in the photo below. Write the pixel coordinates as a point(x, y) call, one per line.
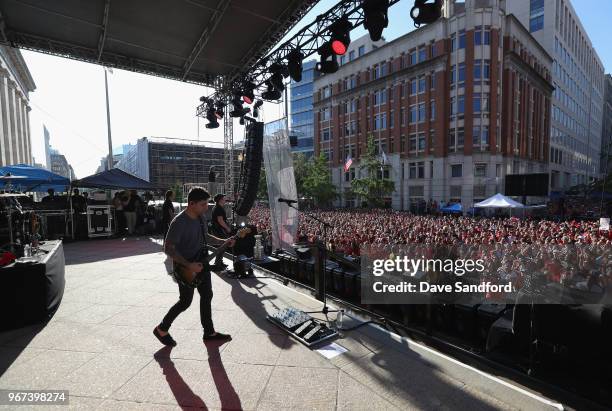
point(514, 185)
point(249, 174)
point(536, 184)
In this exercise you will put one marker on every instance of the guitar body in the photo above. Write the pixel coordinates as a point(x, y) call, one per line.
point(192, 279)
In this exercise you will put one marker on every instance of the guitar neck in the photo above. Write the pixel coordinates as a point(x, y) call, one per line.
point(220, 249)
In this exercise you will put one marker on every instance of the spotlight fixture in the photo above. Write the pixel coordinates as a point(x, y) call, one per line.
point(256, 107)
point(220, 106)
point(375, 17)
point(211, 116)
point(238, 110)
point(278, 71)
point(324, 65)
point(340, 36)
point(426, 13)
point(248, 92)
point(271, 93)
point(294, 64)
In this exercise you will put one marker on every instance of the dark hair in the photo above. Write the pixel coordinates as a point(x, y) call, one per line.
point(218, 197)
point(168, 194)
point(197, 194)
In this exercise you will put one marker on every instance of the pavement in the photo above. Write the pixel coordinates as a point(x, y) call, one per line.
point(100, 347)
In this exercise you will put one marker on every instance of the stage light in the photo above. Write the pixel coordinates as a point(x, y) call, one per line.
point(278, 72)
point(238, 110)
point(220, 106)
point(258, 104)
point(248, 92)
point(294, 64)
point(211, 116)
point(375, 17)
point(426, 13)
point(340, 36)
point(271, 93)
point(324, 65)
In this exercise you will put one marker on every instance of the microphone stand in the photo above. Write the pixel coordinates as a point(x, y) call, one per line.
point(323, 251)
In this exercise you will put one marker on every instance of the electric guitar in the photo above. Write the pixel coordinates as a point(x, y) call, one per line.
point(192, 279)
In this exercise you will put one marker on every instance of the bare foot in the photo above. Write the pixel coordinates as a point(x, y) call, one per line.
point(161, 332)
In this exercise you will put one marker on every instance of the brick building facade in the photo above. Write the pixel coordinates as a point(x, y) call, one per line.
point(455, 106)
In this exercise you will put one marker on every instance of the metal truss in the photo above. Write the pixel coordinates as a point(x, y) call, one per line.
point(308, 40)
point(228, 151)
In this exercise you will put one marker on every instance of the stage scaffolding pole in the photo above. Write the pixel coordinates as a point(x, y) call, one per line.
point(228, 152)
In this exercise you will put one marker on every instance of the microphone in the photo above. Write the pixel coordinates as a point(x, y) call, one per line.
point(287, 201)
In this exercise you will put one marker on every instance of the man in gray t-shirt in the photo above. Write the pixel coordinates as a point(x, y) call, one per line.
point(186, 237)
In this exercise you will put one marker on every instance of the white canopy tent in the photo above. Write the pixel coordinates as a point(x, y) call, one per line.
point(499, 201)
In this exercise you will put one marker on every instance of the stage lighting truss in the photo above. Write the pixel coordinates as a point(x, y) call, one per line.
point(335, 24)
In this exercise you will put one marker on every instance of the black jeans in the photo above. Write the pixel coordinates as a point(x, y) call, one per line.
point(185, 298)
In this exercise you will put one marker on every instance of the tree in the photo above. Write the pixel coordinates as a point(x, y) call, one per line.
point(373, 187)
point(300, 169)
point(317, 182)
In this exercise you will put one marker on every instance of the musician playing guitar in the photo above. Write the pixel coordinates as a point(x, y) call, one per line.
point(184, 243)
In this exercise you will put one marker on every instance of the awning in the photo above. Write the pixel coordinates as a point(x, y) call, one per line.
point(36, 179)
point(114, 179)
point(499, 201)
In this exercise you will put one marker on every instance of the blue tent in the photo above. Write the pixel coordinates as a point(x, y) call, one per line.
point(453, 208)
point(36, 179)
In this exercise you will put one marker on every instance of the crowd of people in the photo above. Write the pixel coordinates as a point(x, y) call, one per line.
point(354, 228)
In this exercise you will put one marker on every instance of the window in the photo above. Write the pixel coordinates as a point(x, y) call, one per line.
point(342, 58)
point(462, 39)
point(413, 87)
point(478, 35)
point(413, 114)
point(422, 54)
point(477, 69)
point(432, 110)
point(480, 170)
point(461, 104)
point(536, 23)
point(325, 114)
point(456, 170)
point(432, 80)
point(421, 141)
point(391, 120)
point(326, 134)
point(351, 55)
point(453, 106)
point(476, 137)
point(461, 73)
point(403, 144)
point(453, 42)
point(476, 102)
point(421, 112)
point(455, 194)
point(416, 170)
point(421, 85)
point(413, 57)
point(487, 70)
point(326, 92)
point(487, 35)
point(361, 51)
point(413, 142)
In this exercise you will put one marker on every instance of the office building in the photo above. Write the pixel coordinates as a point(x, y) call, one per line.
point(578, 79)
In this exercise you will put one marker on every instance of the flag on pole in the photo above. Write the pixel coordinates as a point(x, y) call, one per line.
point(384, 158)
point(347, 165)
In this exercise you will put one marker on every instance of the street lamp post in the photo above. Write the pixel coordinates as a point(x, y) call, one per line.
point(108, 123)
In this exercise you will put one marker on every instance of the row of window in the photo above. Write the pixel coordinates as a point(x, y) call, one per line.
point(482, 70)
point(480, 104)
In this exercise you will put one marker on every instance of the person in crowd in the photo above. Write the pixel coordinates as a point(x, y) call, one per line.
point(167, 211)
point(50, 197)
point(79, 204)
point(120, 224)
point(129, 210)
point(219, 226)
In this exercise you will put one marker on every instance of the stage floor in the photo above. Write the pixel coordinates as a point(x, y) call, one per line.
point(100, 347)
